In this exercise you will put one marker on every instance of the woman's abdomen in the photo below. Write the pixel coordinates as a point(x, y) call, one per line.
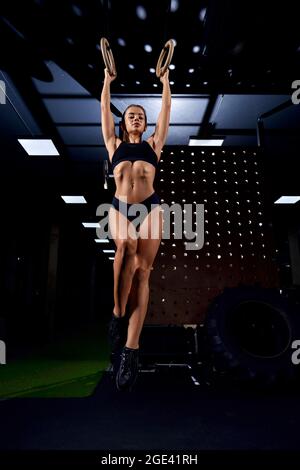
point(136, 190)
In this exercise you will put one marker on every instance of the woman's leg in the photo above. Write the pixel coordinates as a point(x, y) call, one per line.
point(147, 249)
point(125, 262)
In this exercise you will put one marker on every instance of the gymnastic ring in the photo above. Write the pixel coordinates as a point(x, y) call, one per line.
point(170, 47)
point(108, 57)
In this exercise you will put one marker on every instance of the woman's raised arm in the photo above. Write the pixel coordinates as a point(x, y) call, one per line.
point(162, 125)
point(107, 120)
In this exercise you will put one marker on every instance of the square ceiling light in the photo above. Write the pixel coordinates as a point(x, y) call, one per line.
point(74, 199)
point(287, 200)
point(39, 146)
point(205, 142)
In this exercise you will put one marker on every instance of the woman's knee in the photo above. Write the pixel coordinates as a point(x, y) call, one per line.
point(143, 271)
point(127, 247)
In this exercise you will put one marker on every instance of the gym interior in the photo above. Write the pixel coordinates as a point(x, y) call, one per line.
point(219, 364)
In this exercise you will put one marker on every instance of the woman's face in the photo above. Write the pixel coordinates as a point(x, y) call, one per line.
point(135, 119)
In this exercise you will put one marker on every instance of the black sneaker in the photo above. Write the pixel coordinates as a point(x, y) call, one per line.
point(128, 370)
point(115, 360)
point(117, 332)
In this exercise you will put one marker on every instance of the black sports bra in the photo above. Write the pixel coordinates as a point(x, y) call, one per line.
point(133, 152)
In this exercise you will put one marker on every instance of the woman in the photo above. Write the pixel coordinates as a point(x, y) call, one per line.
point(134, 164)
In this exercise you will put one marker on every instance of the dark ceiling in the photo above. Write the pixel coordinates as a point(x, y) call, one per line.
point(231, 45)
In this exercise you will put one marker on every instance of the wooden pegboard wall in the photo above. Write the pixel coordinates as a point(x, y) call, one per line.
point(238, 243)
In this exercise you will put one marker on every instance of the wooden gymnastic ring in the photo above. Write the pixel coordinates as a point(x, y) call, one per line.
point(108, 57)
point(170, 47)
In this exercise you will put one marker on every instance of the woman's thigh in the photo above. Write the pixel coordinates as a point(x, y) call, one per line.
point(122, 231)
point(150, 235)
